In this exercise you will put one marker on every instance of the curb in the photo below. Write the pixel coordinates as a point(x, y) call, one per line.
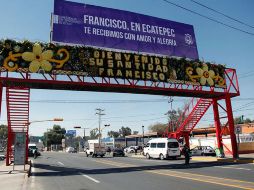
point(205, 159)
point(136, 156)
point(231, 160)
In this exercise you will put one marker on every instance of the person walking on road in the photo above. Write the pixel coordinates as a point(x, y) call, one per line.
point(186, 152)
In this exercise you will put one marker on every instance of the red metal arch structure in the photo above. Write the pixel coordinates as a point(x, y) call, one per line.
point(18, 87)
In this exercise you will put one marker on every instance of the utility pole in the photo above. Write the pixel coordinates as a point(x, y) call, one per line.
point(143, 135)
point(99, 113)
point(170, 121)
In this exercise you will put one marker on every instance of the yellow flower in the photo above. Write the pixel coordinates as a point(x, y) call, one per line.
point(205, 75)
point(38, 59)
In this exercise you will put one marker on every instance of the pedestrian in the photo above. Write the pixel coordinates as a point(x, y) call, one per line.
point(186, 153)
point(35, 153)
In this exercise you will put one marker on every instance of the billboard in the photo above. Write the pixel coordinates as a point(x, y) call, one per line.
point(20, 148)
point(71, 133)
point(93, 62)
point(89, 25)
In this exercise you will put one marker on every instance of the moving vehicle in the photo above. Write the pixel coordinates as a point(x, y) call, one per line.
point(162, 148)
point(95, 148)
point(118, 152)
point(32, 149)
point(203, 151)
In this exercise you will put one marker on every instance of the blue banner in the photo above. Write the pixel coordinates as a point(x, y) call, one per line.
point(89, 25)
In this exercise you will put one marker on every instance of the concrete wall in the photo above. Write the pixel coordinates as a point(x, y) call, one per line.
point(244, 147)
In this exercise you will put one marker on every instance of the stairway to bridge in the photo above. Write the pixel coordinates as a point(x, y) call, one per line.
point(17, 101)
point(191, 115)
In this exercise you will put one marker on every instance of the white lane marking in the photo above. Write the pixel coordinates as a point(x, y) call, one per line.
point(162, 161)
point(231, 167)
point(88, 177)
point(32, 174)
point(60, 163)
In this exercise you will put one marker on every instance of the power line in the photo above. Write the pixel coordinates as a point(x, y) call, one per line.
point(248, 74)
point(234, 19)
point(209, 18)
point(130, 121)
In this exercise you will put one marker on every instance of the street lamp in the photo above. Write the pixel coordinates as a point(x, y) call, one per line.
point(84, 138)
point(39, 121)
point(79, 127)
point(99, 113)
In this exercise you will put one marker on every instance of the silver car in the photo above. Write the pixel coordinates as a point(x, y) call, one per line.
point(203, 151)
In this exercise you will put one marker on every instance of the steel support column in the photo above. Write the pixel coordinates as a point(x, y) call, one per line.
point(217, 124)
point(231, 126)
point(8, 149)
point(187, 138)
point(27, 141)
point(1, 94)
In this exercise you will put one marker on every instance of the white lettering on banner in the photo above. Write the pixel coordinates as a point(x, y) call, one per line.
point(135, 26)
point(100, 21)
point(129, 36)
point(107, 33)
point(141, 32)
point(158, 30)
point(166, 41)
point(144, 38)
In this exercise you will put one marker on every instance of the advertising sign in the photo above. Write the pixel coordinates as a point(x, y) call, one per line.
point(238, 129)
point(94, 62)
point(71, 132)
point(20, 148)
point(89, 25)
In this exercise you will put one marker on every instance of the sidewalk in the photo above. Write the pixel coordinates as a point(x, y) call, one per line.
point(14, 180)
point(243, 158)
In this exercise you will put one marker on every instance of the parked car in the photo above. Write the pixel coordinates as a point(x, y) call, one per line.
point(203, 151)
point(2, 157)
point(70, 149)
point(132, 149)
point(118, 152)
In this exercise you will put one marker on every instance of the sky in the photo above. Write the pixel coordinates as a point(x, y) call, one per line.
point(30, 20)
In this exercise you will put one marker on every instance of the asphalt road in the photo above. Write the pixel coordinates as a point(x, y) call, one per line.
point(65, 171)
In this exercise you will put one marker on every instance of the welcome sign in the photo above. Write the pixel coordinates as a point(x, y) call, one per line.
point(29, 57)
point(89, 25)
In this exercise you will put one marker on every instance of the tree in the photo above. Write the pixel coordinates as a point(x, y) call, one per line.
point(241, 120)
point(247, 120)
point(54, 136)
point(238, 120)
point(135, 132)
point(175, 118)
point(114, 134)
point(94, 134)
point(3, 132)
point(124, 131)
point(158, 127)
point(3, 135)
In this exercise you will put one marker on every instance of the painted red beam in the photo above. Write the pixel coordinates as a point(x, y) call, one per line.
point(107, 87)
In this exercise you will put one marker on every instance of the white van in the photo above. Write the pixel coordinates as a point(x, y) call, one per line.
point(162, 148)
